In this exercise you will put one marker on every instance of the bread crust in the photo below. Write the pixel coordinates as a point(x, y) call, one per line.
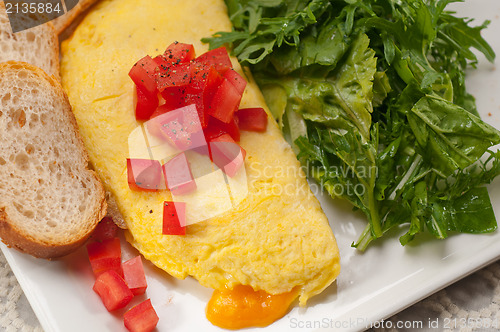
point(15, 238)
point(50, 43)
point(54, 41)
point(18, 238)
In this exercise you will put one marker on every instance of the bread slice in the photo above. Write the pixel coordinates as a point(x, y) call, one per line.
point(62, 22)
point(38, 46)
point(50, 202)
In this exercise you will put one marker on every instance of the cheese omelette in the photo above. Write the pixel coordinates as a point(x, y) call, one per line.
point(276, 240)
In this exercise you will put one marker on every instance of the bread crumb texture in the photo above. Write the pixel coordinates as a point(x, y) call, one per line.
point(38, 46)
point(47, 194)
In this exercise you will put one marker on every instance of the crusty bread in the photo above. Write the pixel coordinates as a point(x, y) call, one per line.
point(114, 212)
point(38, 46)
point(50, 201)
point(62, 22)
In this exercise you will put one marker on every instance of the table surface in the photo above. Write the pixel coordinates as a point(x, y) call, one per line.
point(471, 304)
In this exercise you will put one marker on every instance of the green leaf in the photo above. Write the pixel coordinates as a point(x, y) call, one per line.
point(381, 88)
point(470, 213)
point(463, 37)
point(450, 137)
point(264, 25)
point(343, 100)
point(419, 213)
point(324, 48)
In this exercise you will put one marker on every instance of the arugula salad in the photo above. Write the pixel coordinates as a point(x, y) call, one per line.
point(371, 94)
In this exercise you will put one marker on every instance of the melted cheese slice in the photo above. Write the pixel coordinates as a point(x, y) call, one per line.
point(277, 239)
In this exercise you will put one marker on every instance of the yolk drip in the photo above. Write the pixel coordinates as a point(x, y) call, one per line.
point(242, 307)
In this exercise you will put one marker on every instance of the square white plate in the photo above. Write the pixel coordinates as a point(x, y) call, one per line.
point(371, 286)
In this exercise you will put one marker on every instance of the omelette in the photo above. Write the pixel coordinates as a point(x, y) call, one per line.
point(274, 245)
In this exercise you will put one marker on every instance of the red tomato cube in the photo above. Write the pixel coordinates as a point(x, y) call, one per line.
point(112, 290)
point(178, 176)
point(162, 62)
point(205, 80)
point(144, 174)
point(239, 82)
point(217, 128)
point(144, 104)
point(174, 218)
point(180, 127)
point(196, 99)
point(175, 97)
point(173, 76)
point(225, 102)
point(210, 87)
point(252, 119)
point(218, 57)
point(143, 74)
point(133, 274)
point(227, 154)
point(199, 74)
point(141, 318)
point(179, 52)
point(106, 229)
point(105, 256)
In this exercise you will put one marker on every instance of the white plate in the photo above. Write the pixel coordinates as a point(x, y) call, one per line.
point(371, 286)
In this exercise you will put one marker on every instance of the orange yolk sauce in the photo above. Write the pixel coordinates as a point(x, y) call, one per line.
point(243, 307)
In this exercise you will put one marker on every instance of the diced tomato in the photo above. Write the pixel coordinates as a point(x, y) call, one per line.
point(196, 99)
point(162, 62)
point(225, 102)
point(252, 119)
point(218, 58)
point(175, 54)
point(170, 126)
point(199, 73)
point(144, 174)
point(179, 127)
point(227, 154)
point(173, 76)
point(141, 318)
point(239, 82)
point(105, 256)
point(106, 229)
point(143, 74)
point(144, 104)
point(178, 176)
point(212, 84)
point(162, 109)
point(207, 84)
point(217, 128)
point(174, 218)
point(133, 274)
point(112, 290)
point(204, 83)
point(175, 97)
point(180, 52)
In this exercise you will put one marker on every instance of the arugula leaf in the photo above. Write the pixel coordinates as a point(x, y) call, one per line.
point(265, 25)
point(469, 213)
point(450, 137)
point(343, 99)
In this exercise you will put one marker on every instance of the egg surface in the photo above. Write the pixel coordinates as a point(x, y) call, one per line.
point(276, 239)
